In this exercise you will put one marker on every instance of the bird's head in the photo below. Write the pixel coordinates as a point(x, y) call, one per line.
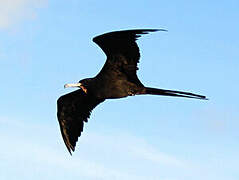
point(83, 84)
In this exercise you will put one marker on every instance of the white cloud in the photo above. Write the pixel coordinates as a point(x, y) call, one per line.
point(136, 148)
point(151, 154)
point(33, 150)
point(13, 11)
point(47, 159)
point(97, 156)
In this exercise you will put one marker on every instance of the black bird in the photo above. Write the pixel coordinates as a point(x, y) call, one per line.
point(117, 79)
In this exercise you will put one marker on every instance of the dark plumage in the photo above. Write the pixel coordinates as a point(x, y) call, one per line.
point(117, 79)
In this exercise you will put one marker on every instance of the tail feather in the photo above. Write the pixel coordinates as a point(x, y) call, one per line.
point(165, 92)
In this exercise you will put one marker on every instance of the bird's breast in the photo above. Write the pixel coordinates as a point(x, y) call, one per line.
point(114, 89)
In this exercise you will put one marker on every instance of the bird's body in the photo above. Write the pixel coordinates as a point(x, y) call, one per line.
point(114, 87)
point(117, 79)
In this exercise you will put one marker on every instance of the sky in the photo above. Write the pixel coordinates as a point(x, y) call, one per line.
point(46, 44)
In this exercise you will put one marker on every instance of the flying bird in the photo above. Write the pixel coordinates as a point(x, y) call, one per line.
point(117, 79)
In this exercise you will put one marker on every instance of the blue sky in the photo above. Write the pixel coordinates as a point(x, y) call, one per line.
point(45, 44)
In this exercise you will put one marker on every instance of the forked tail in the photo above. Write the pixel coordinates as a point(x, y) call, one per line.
point(165, 92)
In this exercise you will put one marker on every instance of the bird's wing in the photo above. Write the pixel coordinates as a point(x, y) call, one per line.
point(73, 110)
point(122, 51)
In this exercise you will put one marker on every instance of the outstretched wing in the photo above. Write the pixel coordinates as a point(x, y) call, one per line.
point(122, 51)
point(73, 110)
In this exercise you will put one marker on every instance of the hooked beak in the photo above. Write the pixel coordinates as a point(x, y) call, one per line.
point(72, 85)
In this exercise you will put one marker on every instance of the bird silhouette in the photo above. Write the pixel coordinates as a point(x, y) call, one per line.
point(117, 79)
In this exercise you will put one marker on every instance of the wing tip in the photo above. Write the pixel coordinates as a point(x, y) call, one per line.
point(70, 148)
point(147, 31)
point(165, 30)
point(153, 30)
point(205, 98)
point(71, 151)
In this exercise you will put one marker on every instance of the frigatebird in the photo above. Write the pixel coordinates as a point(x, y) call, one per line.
point(117, 79)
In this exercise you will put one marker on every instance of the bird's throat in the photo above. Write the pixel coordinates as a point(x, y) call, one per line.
point(84, 89)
